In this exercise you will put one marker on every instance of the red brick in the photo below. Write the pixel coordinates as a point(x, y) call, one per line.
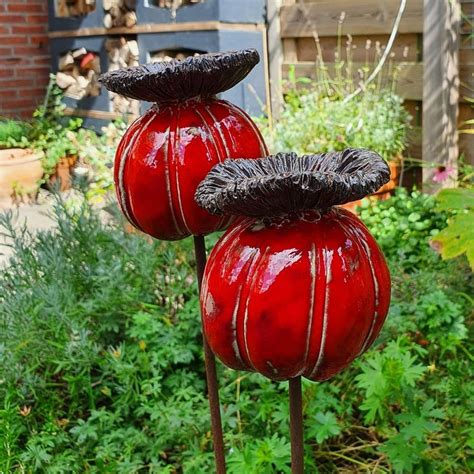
point(29, 29)
point(6, 72)
point(6, 51)
point(14, 61)
point(31, 71)
point(6, 19)
point(25, 7)
point(42, 60)
point(28, 50)
point(4, 30)
point(14, 103)
point(9, 93)
point(41, 40)
point(9, 39)
point(14, 83)
point(32, 92)
point(37, 19)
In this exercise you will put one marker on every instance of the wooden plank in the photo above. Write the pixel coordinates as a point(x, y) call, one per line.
point(302, 19)
point(414, 108)
point(441, 30)
point(290, 54)
point(96, 114)
point(275, 56)
point(414, 145)
point(409, 82)
point(159, 28)
point(466, 141)
point(406, 48)
point(466, 78)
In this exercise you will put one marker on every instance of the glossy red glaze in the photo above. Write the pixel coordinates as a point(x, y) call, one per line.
point(167, 152)
point(296, 297)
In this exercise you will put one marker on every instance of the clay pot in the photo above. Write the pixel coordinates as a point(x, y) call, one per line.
point(63, 173)
point(20, 172)
point(385, 191)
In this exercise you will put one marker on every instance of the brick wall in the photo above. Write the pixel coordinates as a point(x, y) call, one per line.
point(24, 56)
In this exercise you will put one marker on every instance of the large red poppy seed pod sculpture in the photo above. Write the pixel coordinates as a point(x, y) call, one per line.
point(165, 153)
point(297, 287)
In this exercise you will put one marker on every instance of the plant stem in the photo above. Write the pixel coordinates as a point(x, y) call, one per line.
point(296, 426)
point(211, 375)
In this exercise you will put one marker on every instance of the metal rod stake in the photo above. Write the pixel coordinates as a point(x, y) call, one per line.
point(296, 426)
point(211, 375)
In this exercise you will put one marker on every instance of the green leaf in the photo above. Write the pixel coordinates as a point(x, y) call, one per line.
point(324, 426)
point(455, 199)
point(457, 238)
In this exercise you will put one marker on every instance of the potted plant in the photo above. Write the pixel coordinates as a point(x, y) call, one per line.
point(55, 136)
point(20, 165)
point(343, 109)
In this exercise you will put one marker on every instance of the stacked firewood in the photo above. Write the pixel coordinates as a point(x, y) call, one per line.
point(119, 13)
point(78, 74)
point(122, 53)
point(169, 54)
point(175, 4)
point(65, 8)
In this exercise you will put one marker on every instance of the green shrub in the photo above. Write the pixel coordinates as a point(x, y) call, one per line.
point(14, 133)
point(404, 226)
point(101, 367)
point(314, 123)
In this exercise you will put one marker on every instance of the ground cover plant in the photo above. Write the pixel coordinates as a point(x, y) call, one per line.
point(101, 367)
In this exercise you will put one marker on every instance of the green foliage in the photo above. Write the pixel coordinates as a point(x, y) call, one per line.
point(458, 237)
point(51, 132)
point(404, 225)
point(48, 131)
point(101, 364)
point(14, 133)
point(314, 123)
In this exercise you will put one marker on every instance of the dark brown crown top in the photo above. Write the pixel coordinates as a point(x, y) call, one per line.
point(286, 183)
point(197, 76)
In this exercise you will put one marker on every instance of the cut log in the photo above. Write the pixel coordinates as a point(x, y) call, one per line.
point(130, 19)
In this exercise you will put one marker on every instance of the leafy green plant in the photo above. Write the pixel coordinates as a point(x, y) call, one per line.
point(14, 133)
point(404, 226)
point(118, 386)
point(458, 237)
point(315, 123)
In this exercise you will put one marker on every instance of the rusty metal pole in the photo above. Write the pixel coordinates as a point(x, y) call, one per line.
point(296, 426)
point(211, 375)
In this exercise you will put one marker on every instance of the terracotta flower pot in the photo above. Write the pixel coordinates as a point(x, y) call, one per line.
point(20, 172)
point(385, 191)
point(63, 173)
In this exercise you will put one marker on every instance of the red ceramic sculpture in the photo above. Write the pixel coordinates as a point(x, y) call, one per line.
point(166, 153)
point(299, 288)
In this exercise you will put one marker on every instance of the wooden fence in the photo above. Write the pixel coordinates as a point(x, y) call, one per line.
point(370, 22)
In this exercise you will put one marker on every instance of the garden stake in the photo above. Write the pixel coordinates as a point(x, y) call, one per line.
point(165, 153)
point(297, 286)
point(296, 426)
point(210, 362)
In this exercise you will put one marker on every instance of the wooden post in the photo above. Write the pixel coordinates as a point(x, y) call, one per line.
point(275, 58)
point(441, 31)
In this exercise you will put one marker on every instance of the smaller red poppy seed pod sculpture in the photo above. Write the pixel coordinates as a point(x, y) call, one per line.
point(298, 287)
point(165, 153)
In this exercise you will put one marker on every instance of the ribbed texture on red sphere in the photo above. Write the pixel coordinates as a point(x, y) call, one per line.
point(167, 152)
point(295, 296)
